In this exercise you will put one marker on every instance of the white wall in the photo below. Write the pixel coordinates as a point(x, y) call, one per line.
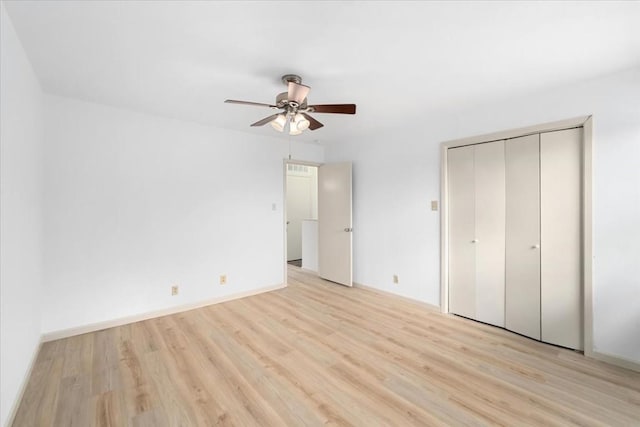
point(136, 203)
point(397, 174)
point(21, 243)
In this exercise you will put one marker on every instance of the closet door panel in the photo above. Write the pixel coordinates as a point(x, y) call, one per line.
point(522, 295)
point(561, 225)
point(461, 231)
point(490, 232)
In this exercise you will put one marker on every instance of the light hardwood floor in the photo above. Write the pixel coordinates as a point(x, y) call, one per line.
point(318, 353)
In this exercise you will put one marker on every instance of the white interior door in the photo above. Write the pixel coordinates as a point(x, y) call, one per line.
point(460, 181)
point(490, 232)
point(561, 224)
point(335, 223)
point(476, 190)
point(522, 314)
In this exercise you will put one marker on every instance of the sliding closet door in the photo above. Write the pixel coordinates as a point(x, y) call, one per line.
point(522, 303)
point(460, 178)
point(561, 216)
point(490, 231)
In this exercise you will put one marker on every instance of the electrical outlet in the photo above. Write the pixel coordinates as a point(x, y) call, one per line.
point(434, 205)
point(223, 279)
point(174, 290)
point(395, 279)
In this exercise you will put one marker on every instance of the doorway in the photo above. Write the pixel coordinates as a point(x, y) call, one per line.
point(324, 216)
point(302, 215)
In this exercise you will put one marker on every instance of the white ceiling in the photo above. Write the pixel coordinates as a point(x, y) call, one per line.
point(395, 60)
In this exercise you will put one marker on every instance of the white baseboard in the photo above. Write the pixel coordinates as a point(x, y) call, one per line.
point(65, 333)
point(23, 387)
point(391, 294)
point(615, 360)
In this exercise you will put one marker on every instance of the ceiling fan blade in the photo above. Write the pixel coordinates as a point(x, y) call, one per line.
point(333, 108)
point(259, 104)
point(297, 92)
point(313, 123)
point(265, 120)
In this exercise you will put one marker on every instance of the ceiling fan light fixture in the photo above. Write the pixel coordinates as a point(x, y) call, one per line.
point(301, 123)
point(279, 122)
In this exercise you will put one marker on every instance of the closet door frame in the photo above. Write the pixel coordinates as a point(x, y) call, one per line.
point(586, 122)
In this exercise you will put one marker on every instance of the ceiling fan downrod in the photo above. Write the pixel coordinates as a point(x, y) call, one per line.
point(293, 78)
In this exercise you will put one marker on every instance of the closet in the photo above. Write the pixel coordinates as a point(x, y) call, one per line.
point(514, 234)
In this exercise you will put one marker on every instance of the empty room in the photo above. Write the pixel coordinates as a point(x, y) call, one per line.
point(288, 213)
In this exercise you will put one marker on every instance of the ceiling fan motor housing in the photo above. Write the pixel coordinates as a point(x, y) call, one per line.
point(282, 101)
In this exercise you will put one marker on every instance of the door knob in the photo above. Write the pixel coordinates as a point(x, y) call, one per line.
point(348, 229)
point(535, 247)
point(475, 241)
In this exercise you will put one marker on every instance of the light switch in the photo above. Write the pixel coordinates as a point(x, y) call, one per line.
point(273, 206)
point(434, 205)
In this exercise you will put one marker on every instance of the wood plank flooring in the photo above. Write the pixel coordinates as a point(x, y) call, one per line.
point(317, 353)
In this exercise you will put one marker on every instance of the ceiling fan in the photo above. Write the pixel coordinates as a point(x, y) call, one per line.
point(293, 104)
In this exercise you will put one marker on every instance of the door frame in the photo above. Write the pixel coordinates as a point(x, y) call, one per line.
point(286, 162)
point(586, 122)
